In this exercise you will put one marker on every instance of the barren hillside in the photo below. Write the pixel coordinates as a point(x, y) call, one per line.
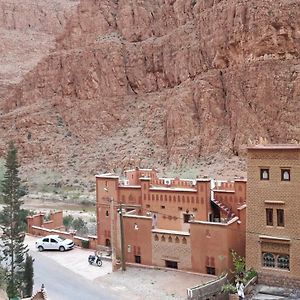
point(114, 83)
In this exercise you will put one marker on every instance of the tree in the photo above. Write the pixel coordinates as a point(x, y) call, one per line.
point(13, 248)
point(67, 221)
point(28, 276)
point(79, 225)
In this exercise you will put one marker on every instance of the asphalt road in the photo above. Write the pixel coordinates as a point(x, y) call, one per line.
point(63, 284)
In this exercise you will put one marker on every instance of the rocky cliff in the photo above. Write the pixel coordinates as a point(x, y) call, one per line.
point(152, 82)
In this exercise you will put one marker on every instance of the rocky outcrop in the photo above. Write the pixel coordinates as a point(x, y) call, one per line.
point(160, 82)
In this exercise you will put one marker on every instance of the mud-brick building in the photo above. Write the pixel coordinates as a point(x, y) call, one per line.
point(170, 222)
point(273, 206)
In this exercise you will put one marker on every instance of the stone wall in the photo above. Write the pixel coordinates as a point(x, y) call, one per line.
point(171, 247)
point(210, 290)
point(278, 280)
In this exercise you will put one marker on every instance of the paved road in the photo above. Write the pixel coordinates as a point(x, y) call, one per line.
point(63, 284)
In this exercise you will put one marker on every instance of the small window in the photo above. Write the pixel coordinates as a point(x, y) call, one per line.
point(283, 262)
point(176, 240)
point(163, 239)
point(268, 260)
point(147, 206)
point(285, 175)
point(162, 207)
point(107, 213)
point(170, 239)
point(264, 174)
point(179, 208)
point(156, 238)
point(184, 241)
point(186, 218)
point(195, 209)
point(269, 216)
point(171, 264)
point(211, 270)
point(137, 259)
point(280, 217)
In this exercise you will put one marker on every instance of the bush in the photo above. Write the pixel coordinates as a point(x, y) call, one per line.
point(79, 225)
point(228, 288)
point(251, 273)
point(67, 221)
point(85, 244)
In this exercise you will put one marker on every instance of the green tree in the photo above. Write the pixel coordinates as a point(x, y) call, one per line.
point(14, 250)
point(28, 276)
point(79, 225)
point(67, 221)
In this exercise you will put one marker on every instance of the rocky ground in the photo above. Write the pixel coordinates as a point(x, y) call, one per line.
point(104, 85)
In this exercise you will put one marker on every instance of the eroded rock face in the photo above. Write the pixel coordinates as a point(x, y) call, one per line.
point(27, 32)
point(159, 82)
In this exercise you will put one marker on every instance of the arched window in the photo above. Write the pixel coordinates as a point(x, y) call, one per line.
point(170, 239)
point(283, 262)
point(184, 240)
point(163, 239)
point(269, 260)
point(156, 237)
point(285, 175)
point(176, 240)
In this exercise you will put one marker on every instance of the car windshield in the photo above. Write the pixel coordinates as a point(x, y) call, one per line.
point(61, 238)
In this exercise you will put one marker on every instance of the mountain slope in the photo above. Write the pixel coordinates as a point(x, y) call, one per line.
point(162, 83)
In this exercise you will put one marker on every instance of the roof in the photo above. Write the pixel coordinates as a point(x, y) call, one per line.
point(172, 189)
point(108, 176)
point(145, 170)
point(223, 191)
point(275, 147)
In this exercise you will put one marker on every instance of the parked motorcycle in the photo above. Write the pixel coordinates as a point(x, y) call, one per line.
point(95, 259)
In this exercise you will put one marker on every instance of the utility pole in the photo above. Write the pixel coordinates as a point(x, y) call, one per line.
point(122, 238)
point(112, 233)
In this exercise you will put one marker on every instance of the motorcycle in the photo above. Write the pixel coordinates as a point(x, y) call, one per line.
point(95, 259)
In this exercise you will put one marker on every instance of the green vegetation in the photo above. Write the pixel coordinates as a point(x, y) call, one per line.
point(2, 171)
point(14, 250)
point(85, 244)
point(67, 221)
point(239, 272)
point(28, 276)
point(79, 225)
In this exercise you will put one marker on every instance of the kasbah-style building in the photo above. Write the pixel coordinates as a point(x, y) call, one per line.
point(194, 225)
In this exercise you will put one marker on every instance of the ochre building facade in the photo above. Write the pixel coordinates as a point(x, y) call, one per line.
point(170, 222)
point(273, 204)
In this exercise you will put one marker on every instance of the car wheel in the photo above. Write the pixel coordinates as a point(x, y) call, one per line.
point(62, 249)
point(99, 263)
point(40, 248)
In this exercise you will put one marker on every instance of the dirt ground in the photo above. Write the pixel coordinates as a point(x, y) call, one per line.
point(153, 283)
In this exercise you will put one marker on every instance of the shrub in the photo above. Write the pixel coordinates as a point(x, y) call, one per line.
point(228, 288)
point(67, 221)
point(85, 244)
point(251, 273)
